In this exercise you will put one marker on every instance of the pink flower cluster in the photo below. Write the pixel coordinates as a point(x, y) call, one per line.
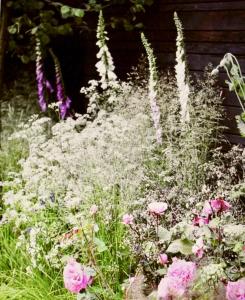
point(75, 278)
point(215, 206)
point(179, 277)
point(211, 207)
point(236, 290)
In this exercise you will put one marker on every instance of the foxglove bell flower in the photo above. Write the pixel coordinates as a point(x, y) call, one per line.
point(63, 100)
point(40, 77)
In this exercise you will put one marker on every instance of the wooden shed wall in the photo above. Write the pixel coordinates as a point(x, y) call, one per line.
point(211, 28)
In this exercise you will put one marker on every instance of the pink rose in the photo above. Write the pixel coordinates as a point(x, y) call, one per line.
point(75, 278)
point(93, 209)
point(236, 290)
point(127, 219)
point(197, 249)
point(179, 277)
point(163, 258)
point(170, 287)
point(157, 208)
point(200, 221)
point(184, 270)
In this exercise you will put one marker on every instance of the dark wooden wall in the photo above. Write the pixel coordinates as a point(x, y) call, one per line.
point(211, 27)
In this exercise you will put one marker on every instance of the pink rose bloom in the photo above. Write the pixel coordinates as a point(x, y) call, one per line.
point(170, 287)
point(163, 258)
point(184, 270)
point(179, 277)
point(93, 209)
point(236, 290)
point(200, 221)
point(75, 278)
point(157, 208)
point(197, 249)
point(127, 219)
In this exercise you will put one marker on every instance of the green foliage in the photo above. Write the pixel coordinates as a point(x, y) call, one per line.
point(49, 19)
point(236, 84)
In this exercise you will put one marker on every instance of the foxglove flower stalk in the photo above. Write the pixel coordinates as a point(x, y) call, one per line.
point(153, 80)
point(181, 72)
point(40, 77)
point(63, 100)
point(105, 65)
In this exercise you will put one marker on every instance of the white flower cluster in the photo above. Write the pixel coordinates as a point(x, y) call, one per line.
point(64, 168)
point(153, 82)
point(105, 65)
point(181, 72)
point(106, 98)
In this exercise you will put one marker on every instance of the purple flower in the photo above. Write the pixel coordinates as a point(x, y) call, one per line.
point(64, 101)
point(40, 77)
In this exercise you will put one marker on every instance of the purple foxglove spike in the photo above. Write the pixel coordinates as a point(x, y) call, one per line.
point(40, 78)
point(49, 86)
point(64, 108)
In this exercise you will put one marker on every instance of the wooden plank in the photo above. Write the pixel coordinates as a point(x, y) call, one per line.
point(219, 20)
point(196, 62)
point(195, 1)
point(235, 139)
point(192, 35)
point(204, 6)
point(170, 36)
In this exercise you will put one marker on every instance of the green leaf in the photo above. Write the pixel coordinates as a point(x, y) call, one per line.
point(66, 11)
point(101, 246)
point(34, 30)
point(12, 29)
point(238, 247)
point(78, 12)
point(164, 235)
point(181, 246)
point(240, 125)
point(25, 59)
point(161, 272)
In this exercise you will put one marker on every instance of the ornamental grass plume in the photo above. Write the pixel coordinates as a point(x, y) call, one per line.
point(40, 76)
point(153, 81)
point(105, 65)
point(181, 72)
point(63, 100)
